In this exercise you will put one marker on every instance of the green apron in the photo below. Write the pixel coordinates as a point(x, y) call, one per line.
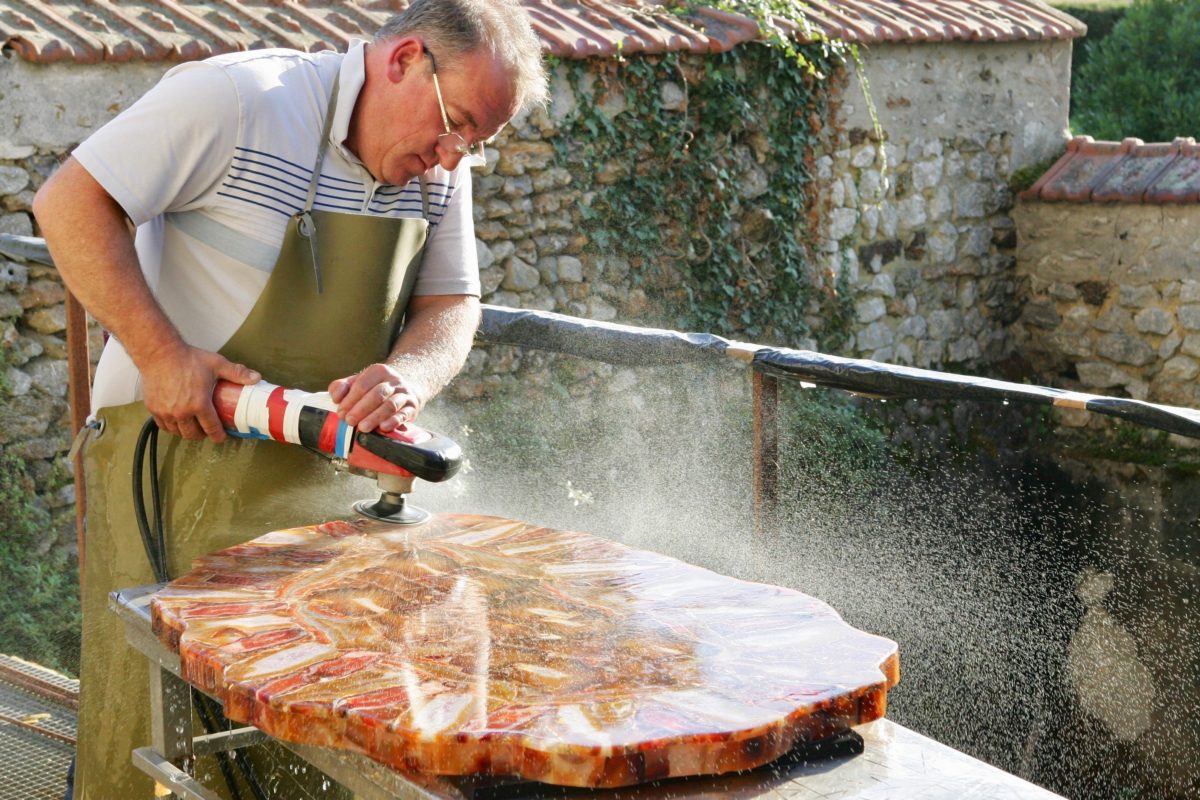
point(313, 323)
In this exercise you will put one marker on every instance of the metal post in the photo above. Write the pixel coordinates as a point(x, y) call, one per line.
point(765, 390)
point(170, 717)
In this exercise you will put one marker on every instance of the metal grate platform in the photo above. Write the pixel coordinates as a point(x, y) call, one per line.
point(37, 730)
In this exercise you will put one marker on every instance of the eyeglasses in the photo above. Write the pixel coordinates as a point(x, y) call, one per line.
point(454, 142)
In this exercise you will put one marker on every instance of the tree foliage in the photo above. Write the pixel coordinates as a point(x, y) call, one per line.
point(1140, 80)
point(39, 604)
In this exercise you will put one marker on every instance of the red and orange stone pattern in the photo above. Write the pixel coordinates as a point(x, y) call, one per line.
point(480, 645)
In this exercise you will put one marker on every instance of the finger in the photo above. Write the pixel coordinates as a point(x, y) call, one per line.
point(211, 425)
point(339, 388)
point(190, 429)
point(165, 424)
point(393, 409)
point(368, 402)
point(406, 413)
point(238, 373)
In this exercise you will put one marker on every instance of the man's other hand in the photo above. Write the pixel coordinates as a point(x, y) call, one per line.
point(378, 397)
point(178, 384)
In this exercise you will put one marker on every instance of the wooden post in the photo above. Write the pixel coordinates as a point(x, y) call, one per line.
point(79, 382)
point(765, 390)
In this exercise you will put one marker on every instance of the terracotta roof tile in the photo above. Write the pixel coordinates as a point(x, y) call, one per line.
point(1129, 171)
point(158, 30)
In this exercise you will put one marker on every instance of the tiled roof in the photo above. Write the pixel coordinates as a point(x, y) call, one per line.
point(158, 30)
point(1129, 171)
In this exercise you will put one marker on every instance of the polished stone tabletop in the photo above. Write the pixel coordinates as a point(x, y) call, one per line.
point(481, 645)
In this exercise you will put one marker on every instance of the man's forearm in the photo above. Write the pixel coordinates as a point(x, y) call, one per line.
point(437, 337)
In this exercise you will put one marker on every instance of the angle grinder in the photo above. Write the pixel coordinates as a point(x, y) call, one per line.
point(309, 419)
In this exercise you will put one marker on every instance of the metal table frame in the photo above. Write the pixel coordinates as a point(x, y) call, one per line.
point(896, 762)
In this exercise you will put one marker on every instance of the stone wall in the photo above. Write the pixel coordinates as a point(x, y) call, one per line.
point(922, 224)
point(1112, 299)
point(919, 228)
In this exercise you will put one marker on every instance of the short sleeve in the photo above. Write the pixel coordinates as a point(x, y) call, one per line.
point(169, 148)
point(450, 264)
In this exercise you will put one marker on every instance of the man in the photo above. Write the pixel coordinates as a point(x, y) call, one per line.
point(290, 209)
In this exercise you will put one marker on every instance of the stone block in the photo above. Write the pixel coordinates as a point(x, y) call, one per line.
point(842, 222)
point(1125, 349)
point(1041, 313)
point(871, 186)
point(13, 275)
point(1115, 319)
point(945, 324)
point(882, 285)
point(17, 382)
point(1190, 345)
point(964, 349)
point(483, 254)
point(1077, 320)
point(1179, 368)
point(518, 158)
point(870, 222)
point(24, 417)
point(547, 267)
point(869, 310)
point(927, 174)
point(40, 447)
point(570, 269)
point(490, 278)
point(1101, 374)
point(1137, 296)
point(874, 336)
point(1071, 344)
point(930, 353)
point(1168, 346)
point(48, 320)
point(49, 375)
point(971, 200)
point(520, 276)
point(1189, 292)
point(863, 156)
point(1189, 317)
point(914, 326)
point(19, 224)
point(12, 179)
point(912, 212)
point(1063, 291)
point(672, 96)
point(10, 307)
point(600, 309)
point(1154, 320)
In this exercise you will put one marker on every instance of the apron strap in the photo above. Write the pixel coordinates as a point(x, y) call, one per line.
point(424, 196)
point(324, 144)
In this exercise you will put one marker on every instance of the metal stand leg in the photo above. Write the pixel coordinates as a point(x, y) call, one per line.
point(170, 723)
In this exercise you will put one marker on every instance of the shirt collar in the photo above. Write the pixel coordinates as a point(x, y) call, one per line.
point(351, 77)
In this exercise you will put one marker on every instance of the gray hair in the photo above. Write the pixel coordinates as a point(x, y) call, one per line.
point(455, 28)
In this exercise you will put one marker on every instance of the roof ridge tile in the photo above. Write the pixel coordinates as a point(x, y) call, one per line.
point(52, 30)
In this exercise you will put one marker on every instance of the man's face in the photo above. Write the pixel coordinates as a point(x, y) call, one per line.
point(397, 121)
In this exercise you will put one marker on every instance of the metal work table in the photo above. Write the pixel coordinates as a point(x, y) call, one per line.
point(895, 762)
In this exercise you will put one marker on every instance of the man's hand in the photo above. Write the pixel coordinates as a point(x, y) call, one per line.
point(378, 397)
point(178, 382)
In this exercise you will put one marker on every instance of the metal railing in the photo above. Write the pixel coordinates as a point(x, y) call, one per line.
point(629, 345)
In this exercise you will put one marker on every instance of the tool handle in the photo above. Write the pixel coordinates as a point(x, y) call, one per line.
point(266, 411)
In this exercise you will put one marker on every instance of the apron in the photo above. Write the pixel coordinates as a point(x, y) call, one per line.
point(332, 305)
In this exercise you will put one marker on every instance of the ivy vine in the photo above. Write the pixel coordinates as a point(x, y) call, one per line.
point(699, 172)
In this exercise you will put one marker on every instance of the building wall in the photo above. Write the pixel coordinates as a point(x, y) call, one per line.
point(922, 224)
point(1112, 298)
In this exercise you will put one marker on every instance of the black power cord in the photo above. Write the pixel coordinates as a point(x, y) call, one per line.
point(155, 542)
